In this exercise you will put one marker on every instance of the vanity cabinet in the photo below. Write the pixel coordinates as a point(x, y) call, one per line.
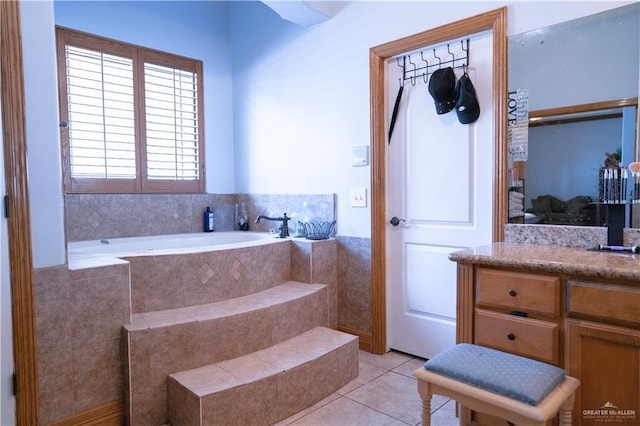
point(518, 313)
point(606, 360)
point(583, 317)
point(603, 348)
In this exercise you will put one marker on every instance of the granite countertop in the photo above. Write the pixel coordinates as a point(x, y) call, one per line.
point(554, 259)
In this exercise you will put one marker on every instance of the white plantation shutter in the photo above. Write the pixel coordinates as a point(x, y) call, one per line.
point(171, 109)
point(133, 117)
point(101, 114)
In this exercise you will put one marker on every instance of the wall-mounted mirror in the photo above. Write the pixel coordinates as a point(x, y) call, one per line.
point(567, 148)
point(582, 82)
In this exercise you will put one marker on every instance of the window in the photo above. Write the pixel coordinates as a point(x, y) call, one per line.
point(131, 118)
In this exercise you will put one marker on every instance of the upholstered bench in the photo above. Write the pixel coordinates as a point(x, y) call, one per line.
point(520, 390)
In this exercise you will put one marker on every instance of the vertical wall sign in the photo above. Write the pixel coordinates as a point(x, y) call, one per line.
point(518, 125)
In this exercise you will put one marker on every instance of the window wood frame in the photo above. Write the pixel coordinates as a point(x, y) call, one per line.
point(139, 56)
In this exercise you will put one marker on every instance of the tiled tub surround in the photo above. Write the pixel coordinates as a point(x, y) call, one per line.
point(265, 386)
point(226, 304)
point(97, 216)
point(167, 342)
point(354, 285)
point(317, 262)
point(80, 313)
point(180, 280)
point(79, 318)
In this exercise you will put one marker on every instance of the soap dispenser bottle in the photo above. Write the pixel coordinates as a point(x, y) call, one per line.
point(208, 220)
point(242, 220)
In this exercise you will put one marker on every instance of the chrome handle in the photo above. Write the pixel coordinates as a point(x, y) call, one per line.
point(395, 221)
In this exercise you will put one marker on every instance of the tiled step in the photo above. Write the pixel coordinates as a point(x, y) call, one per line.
point(266, 386)
point(164, 342)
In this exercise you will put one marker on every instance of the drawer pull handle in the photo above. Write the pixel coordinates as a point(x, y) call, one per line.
point(511, 336)
point(512, 292)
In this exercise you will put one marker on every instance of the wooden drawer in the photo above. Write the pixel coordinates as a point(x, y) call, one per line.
point(521, 336)
point(604, 301)
point(515, 291)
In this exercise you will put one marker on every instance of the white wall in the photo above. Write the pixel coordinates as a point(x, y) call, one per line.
point(298, 94)
point(301, 96)
point(203, 34)
point(43, 137)
point(196, 29)
point(529, 15)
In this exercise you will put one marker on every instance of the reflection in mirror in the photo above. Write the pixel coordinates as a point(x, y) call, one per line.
point(571, 72)
point(563, 188)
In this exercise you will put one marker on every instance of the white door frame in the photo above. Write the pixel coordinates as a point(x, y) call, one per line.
point(496, 22)
point(7, 400)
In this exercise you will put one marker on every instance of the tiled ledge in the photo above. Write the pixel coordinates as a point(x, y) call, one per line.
point(275, 295)
point(273, 383)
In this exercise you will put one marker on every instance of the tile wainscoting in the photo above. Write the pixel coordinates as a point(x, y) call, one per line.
point(354, 283)
point(79, 318)
point(97, 216)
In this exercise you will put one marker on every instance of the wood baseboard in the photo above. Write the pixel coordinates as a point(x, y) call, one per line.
point(111, 414)
point(365, 340)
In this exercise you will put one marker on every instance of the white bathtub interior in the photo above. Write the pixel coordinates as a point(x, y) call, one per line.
point(93, 253)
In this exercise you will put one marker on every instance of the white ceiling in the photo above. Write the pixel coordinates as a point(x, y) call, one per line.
point(305, 13)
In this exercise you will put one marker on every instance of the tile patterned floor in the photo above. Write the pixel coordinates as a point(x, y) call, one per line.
point(384, 393)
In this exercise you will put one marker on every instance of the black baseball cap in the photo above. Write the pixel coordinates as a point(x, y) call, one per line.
point(442, 85)
point(467, 105)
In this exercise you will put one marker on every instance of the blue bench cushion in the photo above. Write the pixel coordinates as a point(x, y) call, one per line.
point(513, 376)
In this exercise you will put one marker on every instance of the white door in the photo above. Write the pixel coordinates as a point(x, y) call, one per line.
point(440, 181)
point(7, 400)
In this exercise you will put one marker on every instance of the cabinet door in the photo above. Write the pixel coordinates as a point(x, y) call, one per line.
point(606, 360)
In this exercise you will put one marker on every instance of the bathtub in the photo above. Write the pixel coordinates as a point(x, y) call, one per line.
point(166, 244)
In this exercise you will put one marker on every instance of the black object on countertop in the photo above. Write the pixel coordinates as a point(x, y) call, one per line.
point(624, 249)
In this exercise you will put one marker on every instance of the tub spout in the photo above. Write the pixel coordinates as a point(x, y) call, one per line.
point(284, 227)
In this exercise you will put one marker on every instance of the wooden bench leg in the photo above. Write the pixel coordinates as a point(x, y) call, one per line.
point(565, 411)
point(424, 390)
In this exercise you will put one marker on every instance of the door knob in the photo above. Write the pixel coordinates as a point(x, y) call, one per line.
point(395, 221)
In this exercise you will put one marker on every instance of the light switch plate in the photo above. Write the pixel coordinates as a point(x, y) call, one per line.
point(360, 156)
point(358, 197)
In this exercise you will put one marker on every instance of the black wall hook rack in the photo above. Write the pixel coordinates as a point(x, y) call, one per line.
point(425, 62)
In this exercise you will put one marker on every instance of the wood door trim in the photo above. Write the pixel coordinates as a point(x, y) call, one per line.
point(496, 21)
point(20, 260)
point(594, 106)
